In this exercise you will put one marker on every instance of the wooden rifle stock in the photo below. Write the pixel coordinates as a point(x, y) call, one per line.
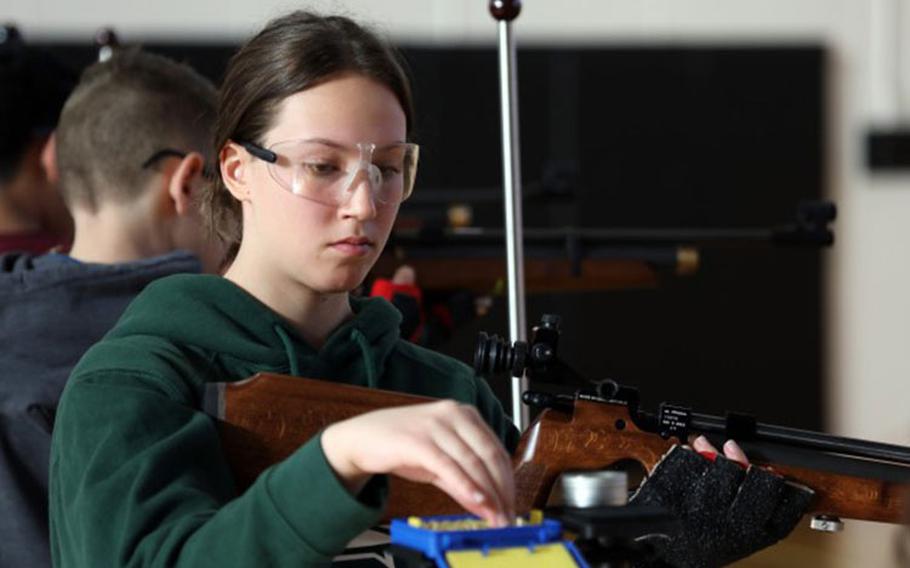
point(595, 435)
point(266, 418)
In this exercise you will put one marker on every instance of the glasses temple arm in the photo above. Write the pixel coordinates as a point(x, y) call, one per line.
point(260, 152)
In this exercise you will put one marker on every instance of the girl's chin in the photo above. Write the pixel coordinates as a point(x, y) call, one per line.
point(338, 283)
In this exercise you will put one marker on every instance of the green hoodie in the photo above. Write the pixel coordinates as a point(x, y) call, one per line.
point(137, 474)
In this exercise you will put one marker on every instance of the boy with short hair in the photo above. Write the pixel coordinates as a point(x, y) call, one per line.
point(130, 154)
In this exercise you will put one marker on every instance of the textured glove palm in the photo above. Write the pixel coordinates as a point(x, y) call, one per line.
point(726, 512)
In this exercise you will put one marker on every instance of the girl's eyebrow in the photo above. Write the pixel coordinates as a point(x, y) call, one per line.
point(325, 141)
point(389, 146)
point(335, 144)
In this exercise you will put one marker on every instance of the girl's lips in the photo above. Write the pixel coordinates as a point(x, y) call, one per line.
point(353, 247)
point(355, 240)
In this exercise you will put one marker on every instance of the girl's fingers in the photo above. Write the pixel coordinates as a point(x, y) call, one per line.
point(478, 436)
point(732, 451)
point(448, 476)
point(472, 464)
point(701, 444)
point(735, 453)
point(443, 443)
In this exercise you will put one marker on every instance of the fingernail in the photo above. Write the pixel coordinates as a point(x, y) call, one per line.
point(502, 520)
point(478, 497)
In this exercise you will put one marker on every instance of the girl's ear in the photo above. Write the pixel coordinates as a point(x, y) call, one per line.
point(234, 163)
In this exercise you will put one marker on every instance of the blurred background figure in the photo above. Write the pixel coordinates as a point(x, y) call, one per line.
point(33, 87)
point(132, 144)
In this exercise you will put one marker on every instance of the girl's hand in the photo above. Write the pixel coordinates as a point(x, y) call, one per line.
point(725, 511)
point(444, 443)
point(732, 451)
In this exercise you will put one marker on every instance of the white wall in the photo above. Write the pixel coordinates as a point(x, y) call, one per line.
point(447, 20)
point(868, 278)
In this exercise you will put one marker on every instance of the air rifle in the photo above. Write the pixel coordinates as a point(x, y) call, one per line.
point(583, 259)
point(264, 419)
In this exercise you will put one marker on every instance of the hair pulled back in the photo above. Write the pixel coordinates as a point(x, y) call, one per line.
point(291, 54)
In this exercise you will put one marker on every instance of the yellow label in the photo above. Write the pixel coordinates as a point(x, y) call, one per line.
point(534, 518)
point(553, 555)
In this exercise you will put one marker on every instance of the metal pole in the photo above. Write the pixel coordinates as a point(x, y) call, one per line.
point(505, 11)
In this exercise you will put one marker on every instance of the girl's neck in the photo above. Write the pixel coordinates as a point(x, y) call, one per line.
point(314, 315)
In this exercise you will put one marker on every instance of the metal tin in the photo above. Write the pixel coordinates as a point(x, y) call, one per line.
point(594, 488)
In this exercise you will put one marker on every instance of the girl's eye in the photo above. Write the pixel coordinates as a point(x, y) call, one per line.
point(320, 168)
point(388, 171)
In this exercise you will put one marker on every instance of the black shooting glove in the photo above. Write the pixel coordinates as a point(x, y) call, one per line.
point(726, 512)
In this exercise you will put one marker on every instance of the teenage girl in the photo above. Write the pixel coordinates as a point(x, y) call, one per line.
point(315, 155)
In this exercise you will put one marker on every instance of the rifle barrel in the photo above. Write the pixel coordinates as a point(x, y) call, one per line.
point(807, 439)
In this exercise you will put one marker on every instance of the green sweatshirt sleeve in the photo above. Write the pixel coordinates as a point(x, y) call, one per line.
point(492, 412)
point(138, 479)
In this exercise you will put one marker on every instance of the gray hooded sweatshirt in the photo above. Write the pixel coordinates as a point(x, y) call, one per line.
point(52, 309)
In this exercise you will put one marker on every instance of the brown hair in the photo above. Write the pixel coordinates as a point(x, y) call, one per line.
point(291, 54)
point(121, 113)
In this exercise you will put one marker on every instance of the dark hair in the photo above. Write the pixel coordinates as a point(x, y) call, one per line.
point(33, 87)
point(122, 112)
point(291, 54)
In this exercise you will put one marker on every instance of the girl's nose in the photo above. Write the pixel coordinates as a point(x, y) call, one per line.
point(361, 201)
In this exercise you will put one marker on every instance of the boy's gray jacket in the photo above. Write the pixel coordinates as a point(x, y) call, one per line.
point(52, 309)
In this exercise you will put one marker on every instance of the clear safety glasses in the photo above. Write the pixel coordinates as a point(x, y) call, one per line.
point(328, 172)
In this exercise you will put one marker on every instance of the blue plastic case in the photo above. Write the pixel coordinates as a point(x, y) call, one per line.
point(456, 541)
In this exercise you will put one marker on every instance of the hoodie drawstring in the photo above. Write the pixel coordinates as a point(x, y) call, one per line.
point(356, 335)
point(361, 340)
point(288, 349)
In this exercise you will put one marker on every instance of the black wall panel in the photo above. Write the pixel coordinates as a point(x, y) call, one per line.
point(698, 136)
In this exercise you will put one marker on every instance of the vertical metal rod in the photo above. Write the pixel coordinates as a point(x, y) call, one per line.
point(511, 160)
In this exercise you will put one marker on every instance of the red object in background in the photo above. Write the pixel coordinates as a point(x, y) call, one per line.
point(387, 289)
point(35, 243)
point(409, 301)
